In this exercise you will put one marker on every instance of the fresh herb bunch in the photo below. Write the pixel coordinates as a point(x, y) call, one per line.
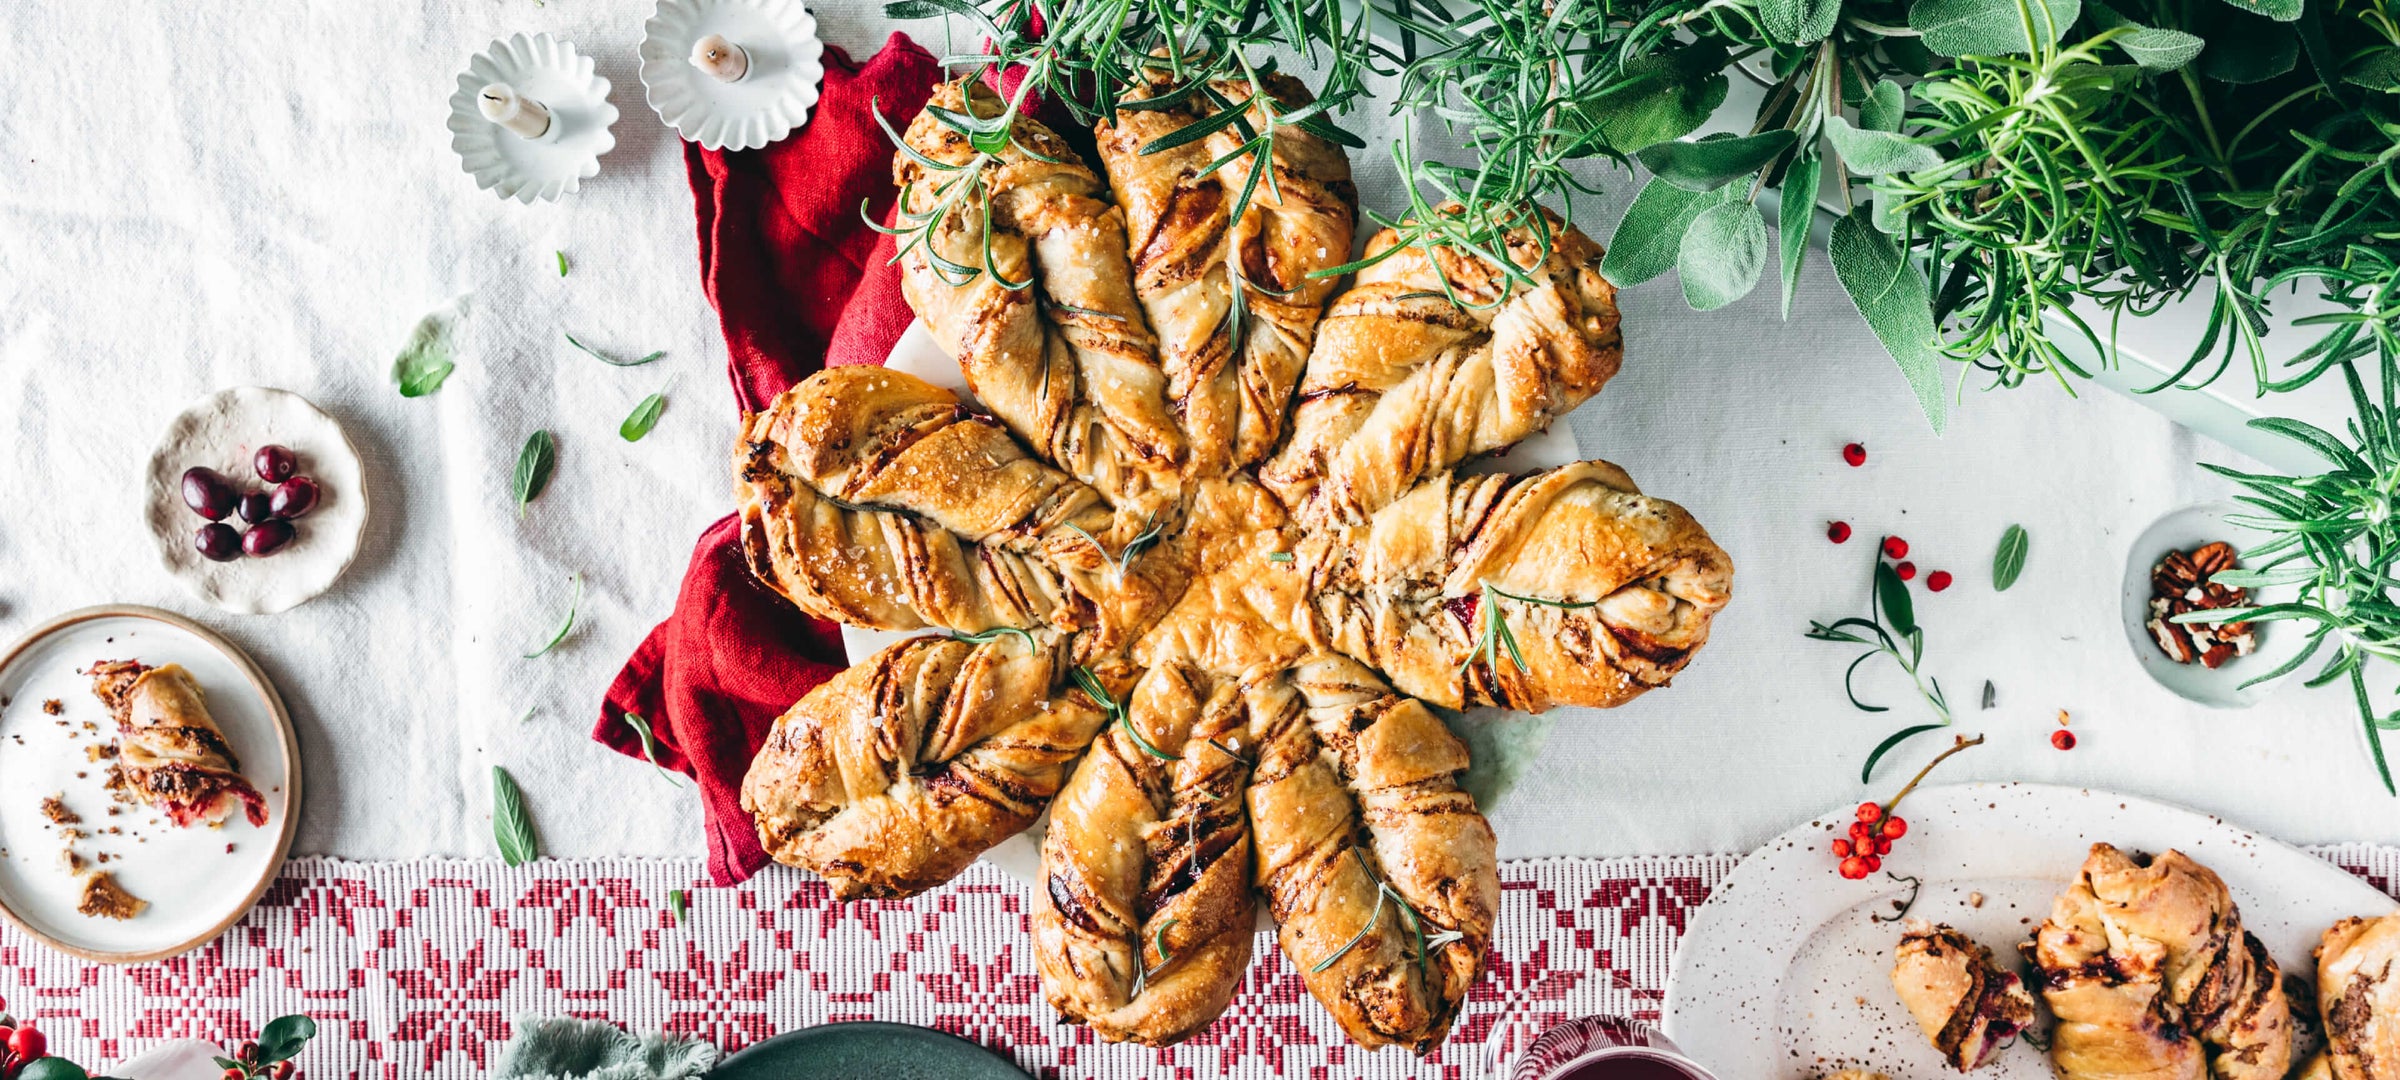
point(1890, 630)
point(2334, 535)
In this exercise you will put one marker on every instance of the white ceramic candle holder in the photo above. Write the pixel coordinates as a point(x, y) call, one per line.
point(547, 70)
point(779, 52)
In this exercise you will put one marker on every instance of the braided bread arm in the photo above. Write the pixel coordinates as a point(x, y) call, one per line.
point(1073, 373)
point(1144, 923)
point(2358, 987)
point(1382, 875)
point(1642, 577)
point(895, 774)
point(1404, 383)
point(1230, 373)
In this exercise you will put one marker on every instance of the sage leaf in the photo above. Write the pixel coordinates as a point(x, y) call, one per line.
point(643, 418)
point(1723, 251)
point(562, 263)
point(534, 465)
point(1885, 107)
point(1658, 97)
point(1891, 594)
point(425, 362)
point(613, 361)
point(1891, 295)
point(2245, 48)
point(512, 827)
point(566, 624)
point(1878, 153)
point(1713, 162)
point(1798, 22)
point(2378, 70)
point(2278, 10)
point(1798, 214)
point(1650, 235)
point(2154, 49)
point(641, 727)
point(678, 904)
point(1990, 27)
point(2009, 560)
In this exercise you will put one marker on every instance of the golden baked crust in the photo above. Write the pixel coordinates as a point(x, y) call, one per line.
point(2147, 967)
point(2358, 988)
point(1960, 998)
point(171, 752)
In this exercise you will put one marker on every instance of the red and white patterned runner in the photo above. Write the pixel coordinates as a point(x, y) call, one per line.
point(417, 968)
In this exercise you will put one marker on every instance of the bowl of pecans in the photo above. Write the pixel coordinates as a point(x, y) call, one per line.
point(2170, 591)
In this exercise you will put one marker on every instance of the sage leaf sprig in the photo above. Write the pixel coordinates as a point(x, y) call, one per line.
point(425, 363)
point(574, 601)
point(1116, 712)
point(613, 361)
point(512, 827)
point(1890, 630)
point(535, 462)
point(643, 418)
point(2009, 559)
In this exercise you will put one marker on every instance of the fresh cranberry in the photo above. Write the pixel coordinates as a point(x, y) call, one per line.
point(1907, 570)
point(27, 1044)
point(2063, 739)
point(294, 497)
point(1895, 548)
point(1883, 845)
point(256, 506)
point(275, 464)
point(267, 537)
point(1855, 454)
point(1860, 830)
point(1938, 580)
point(1873, 863)
point(208, 493)
point(1838, 532)
point(217, 542)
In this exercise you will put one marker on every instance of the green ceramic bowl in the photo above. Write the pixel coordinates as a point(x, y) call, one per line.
point(867, 1050)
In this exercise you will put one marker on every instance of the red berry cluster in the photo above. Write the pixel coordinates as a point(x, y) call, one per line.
point(246, 1066)
point(20, 1045)
point(1869, 841)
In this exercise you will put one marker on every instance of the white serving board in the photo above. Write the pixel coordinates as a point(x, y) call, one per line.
point(1783, 975)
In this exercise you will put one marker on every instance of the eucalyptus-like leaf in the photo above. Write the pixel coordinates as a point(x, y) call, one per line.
point(1798, 22)
point(613, 361)
point(1990, 27)
point(643, 418)
point(1798, 214)
point(283, 1038)
point(512, 827)
point(2153, 48)
point(1891, 295)
point(1713, 162)
point(2009, 559)
point(425, 362)
point(1723, 252)
point(535, 462)
point(1650, 236)
point(564, 625)
point(1885, 107)
point(2246, 48)
point(1892, 593)
point(1875, 153)
point(678, 905)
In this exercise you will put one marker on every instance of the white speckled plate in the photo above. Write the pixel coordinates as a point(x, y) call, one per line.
point(223, 431)
point(1784, 975)
point(1499, 742)
point(198, 880)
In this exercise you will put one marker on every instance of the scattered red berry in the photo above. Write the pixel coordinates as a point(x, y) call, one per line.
point(1838, 532)
point(1855, 454)
point(1841, 848)
point(2063, 739)
point(1895, 548)
point(1938, 580)
point(1907, 570)
point(27, 1044)
point(1870, 813)
point(1854, 868)
point(1895, 827)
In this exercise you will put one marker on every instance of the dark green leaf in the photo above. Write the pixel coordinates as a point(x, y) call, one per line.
point(565, 624)
point(283, 1037)
point(512, 827)
point(1989, 27)
point(53, 1068)
point(1885, 106)
point(1876, 153)
point(1650, 235)
point(641, 727)
point(613, 361)
point(424, 363)
point(1899, 612)
point(2378, 69)
point(1867, 774)
point(534, 465)
point(644, 417)
point(1798, 215)
point(2244, 48)
point(2278, 10)
point(1892, 296)
point(1798, 22)
point(2009, 560)
point(1711, 163)
point(678, 904)
point(1723, 251)
point(2154, 49)
point(1661, 97)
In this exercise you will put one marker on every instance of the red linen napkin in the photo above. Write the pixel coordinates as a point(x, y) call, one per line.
point(800, 282)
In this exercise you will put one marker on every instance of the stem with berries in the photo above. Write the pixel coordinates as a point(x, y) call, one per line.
point(1871, 836)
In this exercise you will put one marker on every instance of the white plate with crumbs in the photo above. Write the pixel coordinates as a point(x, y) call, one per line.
point(198, 881)
point(1784, 975)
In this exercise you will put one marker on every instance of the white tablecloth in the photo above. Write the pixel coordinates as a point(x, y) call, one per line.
point(267, 196)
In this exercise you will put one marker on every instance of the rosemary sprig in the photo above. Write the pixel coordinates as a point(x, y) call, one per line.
point(1892, 623)
point(1384, 893)
point(997, 632)
point(1496, 634)
point(1142, 973)
point(1134, 548)
point(1116, 712)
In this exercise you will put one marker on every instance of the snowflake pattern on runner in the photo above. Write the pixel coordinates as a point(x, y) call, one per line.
point(416, 969)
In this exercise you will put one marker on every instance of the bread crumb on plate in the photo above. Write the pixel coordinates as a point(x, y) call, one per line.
point(103, 898)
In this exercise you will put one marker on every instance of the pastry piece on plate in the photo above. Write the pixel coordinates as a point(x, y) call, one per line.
point(103, 898)
point(2358, 988)
point(171, 753)
point(2147, 966)
point(892, 776)
point(1966, 1004)
point(1143, 924)
point(1428, 361)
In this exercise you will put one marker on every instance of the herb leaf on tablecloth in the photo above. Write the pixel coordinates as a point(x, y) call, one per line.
point(641, 727)
point(1890, 629)
point(2009, 560)
point(613, 361)
point(512, 827)
point(678, 904)
point(643, 418)
point(574, 601)
point(562, 263)
point(534, 465)
point(425, 362)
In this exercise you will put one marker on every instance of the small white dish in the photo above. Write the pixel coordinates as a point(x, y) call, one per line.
point(222, 431)
point(199, 880)
point(550, 71)
point(2182, 530)
point(1785, 975)
point(773, 98)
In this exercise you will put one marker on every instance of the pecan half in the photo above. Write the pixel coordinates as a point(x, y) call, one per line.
point(2174, 574)
point(2172, 640)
